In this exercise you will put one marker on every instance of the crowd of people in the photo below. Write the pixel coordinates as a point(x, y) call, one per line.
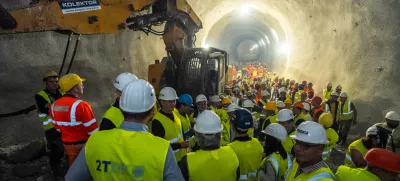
point(262, 127)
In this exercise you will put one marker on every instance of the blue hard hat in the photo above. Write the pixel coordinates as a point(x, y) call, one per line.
point(243, 119)
point(185, 99)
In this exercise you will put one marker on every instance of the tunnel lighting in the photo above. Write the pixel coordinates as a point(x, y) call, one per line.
point(266, 38)
point(244, 10)
point(255, 46)
point(275, 35)
point(285, 49)
point(205, 46)
point(262, 41)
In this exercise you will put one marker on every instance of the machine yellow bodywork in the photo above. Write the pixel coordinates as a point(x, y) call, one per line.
point(48, 16)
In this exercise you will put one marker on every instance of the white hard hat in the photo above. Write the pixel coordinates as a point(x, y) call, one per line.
point(168, 94)
point(282, 90)
point(265, 93)
point(276, 130)
point(201, 98)
point(334, 93)
point(208, 122)
point(123, 79)
point(372, 131)
point(285, 115)
point(137, 97)
point(247, 103)
point(280, 104)
point(338, 87)
point(232, 107)
point(311, 132)
point(343, 94)
point(307, 106)
point(392, 115)
point(215, 98)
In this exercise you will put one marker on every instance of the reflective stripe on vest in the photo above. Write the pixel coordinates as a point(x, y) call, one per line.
point(249, 175)
point(322, 175)
point(174, 140)
point(348, 158)
point(44, 117)
point(325, 154)
point(345, 115)
point(327, 107)
point(349, 111)
point(275, 164)
point(72, 115)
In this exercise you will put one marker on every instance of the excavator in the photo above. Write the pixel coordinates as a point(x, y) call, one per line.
point(186, 68)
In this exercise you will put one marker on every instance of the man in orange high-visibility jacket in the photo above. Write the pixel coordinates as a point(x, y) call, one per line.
point(74, 118)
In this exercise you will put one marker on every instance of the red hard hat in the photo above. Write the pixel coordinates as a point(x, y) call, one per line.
point(384, 159)
point(317, 100)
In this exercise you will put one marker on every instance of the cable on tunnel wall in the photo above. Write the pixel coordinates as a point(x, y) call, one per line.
point(65, 54)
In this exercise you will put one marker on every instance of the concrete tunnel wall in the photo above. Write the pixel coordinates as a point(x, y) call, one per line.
point(339, 41)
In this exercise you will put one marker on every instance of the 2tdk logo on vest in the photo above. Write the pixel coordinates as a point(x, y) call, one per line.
point(119, 168)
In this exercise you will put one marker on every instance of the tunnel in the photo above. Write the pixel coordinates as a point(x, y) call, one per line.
point(354, 43)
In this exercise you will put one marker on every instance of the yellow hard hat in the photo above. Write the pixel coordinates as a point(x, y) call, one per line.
point(67, 82)
point(326, 120)
point(49, 73)
point(288, 101)
point(226, 101)
point(270, 106)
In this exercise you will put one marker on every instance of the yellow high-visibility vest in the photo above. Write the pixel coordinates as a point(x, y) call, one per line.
point(358, 145)
point(320, 174)
point(116, 154)
point(206, 165)
point(44, 117)
point(173, 131)
point(347, 113)
point(346, 173)
point(249, 154)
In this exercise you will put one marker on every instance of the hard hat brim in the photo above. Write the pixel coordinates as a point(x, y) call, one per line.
point(208, 132)
point(307, 141)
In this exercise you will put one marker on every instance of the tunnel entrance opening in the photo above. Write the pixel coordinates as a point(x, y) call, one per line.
point(249, 35)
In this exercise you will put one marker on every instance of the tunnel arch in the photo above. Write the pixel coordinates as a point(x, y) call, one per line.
point(248, 22)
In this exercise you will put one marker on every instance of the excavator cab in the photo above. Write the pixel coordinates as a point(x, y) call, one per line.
point(202, 71)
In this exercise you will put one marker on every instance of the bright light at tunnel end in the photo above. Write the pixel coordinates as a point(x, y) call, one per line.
point(244, 10)
point(285, 49)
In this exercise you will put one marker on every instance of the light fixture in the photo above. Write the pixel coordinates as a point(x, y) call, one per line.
point(262, 41)
point(275, 35)
point(205, 46)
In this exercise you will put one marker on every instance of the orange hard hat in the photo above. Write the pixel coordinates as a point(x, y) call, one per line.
point(384, 159)
point(298, 104)
point(317, 100)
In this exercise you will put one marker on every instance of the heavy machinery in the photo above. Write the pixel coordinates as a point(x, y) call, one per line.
point(187, 69)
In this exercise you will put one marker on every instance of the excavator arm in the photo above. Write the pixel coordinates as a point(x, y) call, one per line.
point(95, 16)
